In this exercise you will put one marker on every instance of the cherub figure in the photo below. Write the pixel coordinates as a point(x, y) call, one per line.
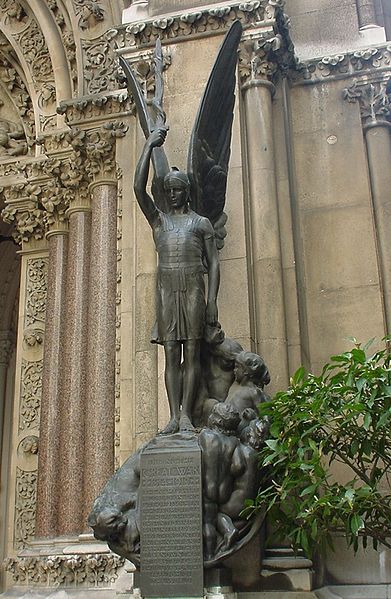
point(221, 461)
point(246, 482)
point(218, 354)
point(251, 375)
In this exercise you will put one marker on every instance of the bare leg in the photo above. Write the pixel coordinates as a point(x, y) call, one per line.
point(172, 377)
point(191, 375)
point(227, 529)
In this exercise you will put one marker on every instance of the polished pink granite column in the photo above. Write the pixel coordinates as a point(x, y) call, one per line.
point(72, 414)
point(49, 440)
point(99, 436)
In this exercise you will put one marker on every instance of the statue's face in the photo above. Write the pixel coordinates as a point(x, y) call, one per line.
point(177, 194)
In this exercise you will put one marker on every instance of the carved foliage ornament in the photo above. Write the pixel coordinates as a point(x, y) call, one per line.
point(37, 274)
point(89, 154)
point(198, 22)
point(374, 100)
point(342, 65)
point(25, 505)
point(96, 570)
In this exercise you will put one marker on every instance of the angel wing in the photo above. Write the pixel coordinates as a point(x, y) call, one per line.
point(210, 141)
point(148, 123)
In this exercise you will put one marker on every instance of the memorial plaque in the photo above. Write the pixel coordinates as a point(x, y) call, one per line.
point(171, 555)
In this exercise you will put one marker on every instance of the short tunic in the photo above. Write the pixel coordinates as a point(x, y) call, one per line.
point(180, 289)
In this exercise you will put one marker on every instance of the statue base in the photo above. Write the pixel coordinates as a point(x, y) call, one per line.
point(171, 557)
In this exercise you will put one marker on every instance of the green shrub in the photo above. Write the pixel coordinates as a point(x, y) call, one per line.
point(342, 416)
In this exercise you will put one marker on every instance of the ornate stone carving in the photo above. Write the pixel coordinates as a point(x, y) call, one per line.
point(99, 107)
point(24, 209)
point(202, 21)
point(92, 570)
point(100, 66)
point(90, 14)
point(33, 337)
point(100, 149)
point(25, 501)
point(33, 45)
point(16, 87)
point(30, 444)
point(36, 291)
point(30, 395)
point(374, 101)
point(12, 139)
point(340, 66)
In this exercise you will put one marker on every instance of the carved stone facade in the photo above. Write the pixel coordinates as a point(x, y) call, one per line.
point(94, 570)
point(308, 186)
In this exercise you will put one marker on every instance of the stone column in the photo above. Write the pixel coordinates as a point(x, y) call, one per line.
point(368, 21)
point(375, 107)
point(262, 211)
point(100, 400)
point(49, 445)
point(366, 12)
point(73, 396)
point(99, 432)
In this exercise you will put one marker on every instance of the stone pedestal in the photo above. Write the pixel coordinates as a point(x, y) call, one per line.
point(171, 518)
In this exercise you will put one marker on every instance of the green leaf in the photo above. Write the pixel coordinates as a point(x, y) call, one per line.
point(356, 523)
point(359, 355)
point(298, 377)
point(367, 421)
point(272, 443)
point(309, 490)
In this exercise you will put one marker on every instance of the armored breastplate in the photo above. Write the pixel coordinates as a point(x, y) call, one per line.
point(178, 242)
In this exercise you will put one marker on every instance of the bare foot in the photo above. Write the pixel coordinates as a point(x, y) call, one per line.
point(172, 427)
point(185, 423)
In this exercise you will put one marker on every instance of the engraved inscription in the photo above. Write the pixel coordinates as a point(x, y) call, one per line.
point(171, 523)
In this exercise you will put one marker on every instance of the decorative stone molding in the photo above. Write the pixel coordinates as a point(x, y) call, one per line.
point(341, 66)
point(374, 101)
point(37, 274)
point(77, 570)
point(25, 506)
point(100, 107)
point(30, 395)
point(16, 88)
point(198, 22)
point(67, 37)
point(22, 27)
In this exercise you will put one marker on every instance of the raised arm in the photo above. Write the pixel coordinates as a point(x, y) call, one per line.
point(145, 201)
point(212, 258)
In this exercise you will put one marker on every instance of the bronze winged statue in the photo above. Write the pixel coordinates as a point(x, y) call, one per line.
point(186, 215)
